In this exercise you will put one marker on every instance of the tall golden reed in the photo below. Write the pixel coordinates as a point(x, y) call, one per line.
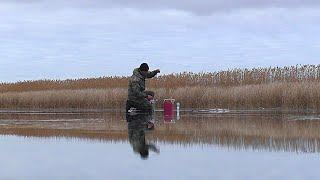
point(233, 77)
point(287, 87)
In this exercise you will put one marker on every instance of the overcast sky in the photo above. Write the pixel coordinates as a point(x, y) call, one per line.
point(60, 39)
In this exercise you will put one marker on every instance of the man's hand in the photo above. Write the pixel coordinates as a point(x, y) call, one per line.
point(157, 70)
point(149, 97)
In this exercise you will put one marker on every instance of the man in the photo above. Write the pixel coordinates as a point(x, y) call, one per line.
point(138, 97)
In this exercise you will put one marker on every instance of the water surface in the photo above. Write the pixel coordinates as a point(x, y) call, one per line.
point(259, 145)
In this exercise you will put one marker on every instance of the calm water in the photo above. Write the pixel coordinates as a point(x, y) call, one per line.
point(246, 145)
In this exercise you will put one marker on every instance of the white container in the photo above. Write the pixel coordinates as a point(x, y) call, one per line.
point(178, 110)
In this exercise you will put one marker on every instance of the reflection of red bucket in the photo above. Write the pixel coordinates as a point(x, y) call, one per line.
point(168, 119)
point(168, 108)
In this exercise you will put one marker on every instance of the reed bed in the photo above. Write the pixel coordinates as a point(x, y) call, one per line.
point(287, 87)
point(53, 99)
point(229, 78)
point(301, 95)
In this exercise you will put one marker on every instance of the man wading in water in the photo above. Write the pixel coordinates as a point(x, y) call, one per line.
point(138, 97)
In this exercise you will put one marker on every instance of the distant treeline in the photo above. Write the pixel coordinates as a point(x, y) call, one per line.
point(286, 87)
point(233, 77)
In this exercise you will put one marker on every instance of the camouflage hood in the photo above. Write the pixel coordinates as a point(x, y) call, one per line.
point(137, 74)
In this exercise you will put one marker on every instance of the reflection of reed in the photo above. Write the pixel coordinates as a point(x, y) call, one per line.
point(112, 136)
point(259, 132)
point(249, 132)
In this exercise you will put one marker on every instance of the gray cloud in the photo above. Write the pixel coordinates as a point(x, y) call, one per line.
point(78, 38)
point(198, 7)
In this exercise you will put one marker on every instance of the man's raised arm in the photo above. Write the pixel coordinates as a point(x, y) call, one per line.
point(152, 74)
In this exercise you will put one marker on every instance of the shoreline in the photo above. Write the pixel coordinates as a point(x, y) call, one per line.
point(203, 111)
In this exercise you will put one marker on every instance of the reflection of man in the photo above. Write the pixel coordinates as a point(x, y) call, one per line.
point(137, 127)
point(138, 97)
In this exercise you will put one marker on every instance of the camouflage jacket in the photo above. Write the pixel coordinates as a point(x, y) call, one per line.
point(137, 85)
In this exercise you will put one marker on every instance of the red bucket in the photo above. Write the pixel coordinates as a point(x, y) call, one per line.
point(168, 107)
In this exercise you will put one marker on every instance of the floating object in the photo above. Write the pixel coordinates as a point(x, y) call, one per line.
point(211, 111)
point(132, 109)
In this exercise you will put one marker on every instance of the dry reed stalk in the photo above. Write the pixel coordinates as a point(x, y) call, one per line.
point(233, 77)
point(283, 95)
point(89, 98)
